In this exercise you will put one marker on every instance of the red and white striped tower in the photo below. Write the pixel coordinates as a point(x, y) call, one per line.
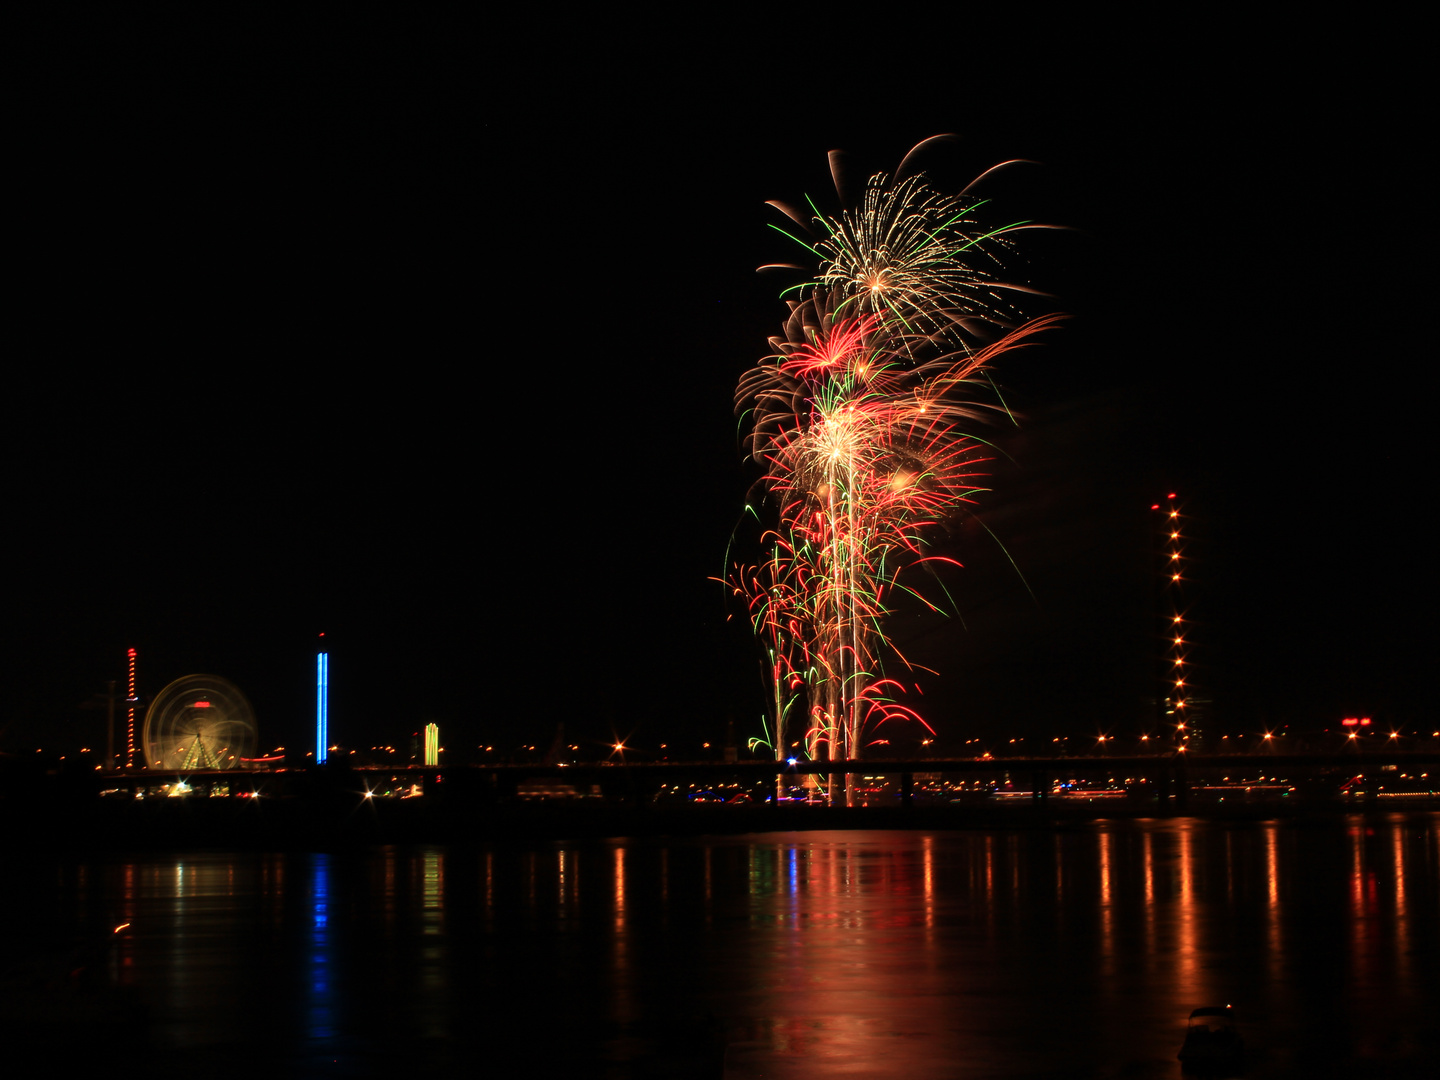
point(130, 714)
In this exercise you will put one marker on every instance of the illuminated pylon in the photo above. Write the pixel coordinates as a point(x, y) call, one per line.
point(1179, 691)
point(432, 744)
point(130, 714)
point(322, 706)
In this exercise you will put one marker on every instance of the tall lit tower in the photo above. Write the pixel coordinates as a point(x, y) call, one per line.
point(130, 700)
point(432, 744)
point(1179, 694)
point(322, 705)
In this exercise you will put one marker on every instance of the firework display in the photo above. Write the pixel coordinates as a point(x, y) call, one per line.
point(861, 421)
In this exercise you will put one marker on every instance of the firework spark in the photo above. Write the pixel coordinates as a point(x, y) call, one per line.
point(861, 422)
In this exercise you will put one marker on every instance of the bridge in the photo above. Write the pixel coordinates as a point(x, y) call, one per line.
point(1171, 774)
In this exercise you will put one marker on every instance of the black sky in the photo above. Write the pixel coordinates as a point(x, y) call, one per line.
point(427, 339)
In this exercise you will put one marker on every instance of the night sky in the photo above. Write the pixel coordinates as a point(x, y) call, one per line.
point(428, 341)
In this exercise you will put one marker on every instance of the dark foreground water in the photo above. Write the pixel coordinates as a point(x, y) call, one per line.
point(834, 954)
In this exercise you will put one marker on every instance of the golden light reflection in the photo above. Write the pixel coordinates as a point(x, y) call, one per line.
point(1402, 914)
point(619, 853)
point(1147, 849)
point(927, 857)
point(1272, 867)
point(990, 883)
point(1107, 910)
point(1105, 841)
point(832, 879)
point(1361, 926)
point(622, 998)
point(1275, 942)
point(990, 870)
point(1357, 869)
point(1188, 946)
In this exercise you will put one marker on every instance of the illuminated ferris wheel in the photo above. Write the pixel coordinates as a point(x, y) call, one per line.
point(199, 722)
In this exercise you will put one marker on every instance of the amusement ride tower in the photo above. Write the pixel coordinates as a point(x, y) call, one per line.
point(130, 700)
point(322, 705)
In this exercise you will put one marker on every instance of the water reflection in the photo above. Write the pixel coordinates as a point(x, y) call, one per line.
point(618, 853)
point(818, 955)
point(1362, 902)
point(431, 983)
point(928, 847)
point(1274, 936)
point(489, 887)
point(1187, 968)
point(1402, 914)
point(1107, 910)
point(432, 867)
point(321, 997)
point(389, 898)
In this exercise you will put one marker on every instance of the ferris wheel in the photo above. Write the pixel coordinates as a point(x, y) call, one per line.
point(199, 722)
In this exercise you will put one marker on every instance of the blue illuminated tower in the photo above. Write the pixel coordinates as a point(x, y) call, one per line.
point(322, 705)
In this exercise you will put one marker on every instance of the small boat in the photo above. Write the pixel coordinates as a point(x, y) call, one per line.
point(1211, 1041)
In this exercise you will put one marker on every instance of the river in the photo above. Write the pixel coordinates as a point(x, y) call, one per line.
point(1011, 953)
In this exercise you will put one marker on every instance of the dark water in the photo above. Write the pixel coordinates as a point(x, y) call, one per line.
point(818, 955)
